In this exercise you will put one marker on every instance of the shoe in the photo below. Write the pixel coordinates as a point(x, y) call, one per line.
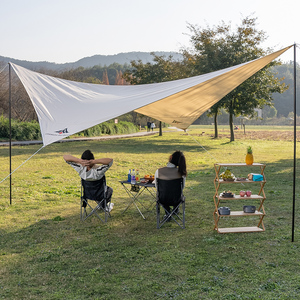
point(109, 207)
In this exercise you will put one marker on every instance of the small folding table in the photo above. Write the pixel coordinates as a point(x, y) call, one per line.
point(135, 191)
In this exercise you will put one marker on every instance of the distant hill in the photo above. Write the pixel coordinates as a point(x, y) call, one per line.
point(88, 62)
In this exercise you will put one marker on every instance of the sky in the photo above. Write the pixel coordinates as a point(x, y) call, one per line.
point(63, 31)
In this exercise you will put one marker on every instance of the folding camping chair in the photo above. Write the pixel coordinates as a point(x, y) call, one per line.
point(93, 198)
point(170, 193)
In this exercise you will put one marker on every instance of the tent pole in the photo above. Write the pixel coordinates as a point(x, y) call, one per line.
point(160, 129)
point(9, 112)
point(295, 139)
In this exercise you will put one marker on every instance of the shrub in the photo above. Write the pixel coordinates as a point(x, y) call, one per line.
point(24, 131)
point(19, 130)
point(4, 127)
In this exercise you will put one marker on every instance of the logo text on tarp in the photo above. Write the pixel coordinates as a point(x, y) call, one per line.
point(176, 122)
point(62, 131)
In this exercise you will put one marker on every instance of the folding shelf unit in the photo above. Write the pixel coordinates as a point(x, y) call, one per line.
point(258, 198)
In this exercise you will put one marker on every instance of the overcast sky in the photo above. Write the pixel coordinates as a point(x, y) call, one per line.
point(67, 30)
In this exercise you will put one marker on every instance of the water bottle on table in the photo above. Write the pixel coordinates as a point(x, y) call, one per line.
point(129, 176)
point(133, 181)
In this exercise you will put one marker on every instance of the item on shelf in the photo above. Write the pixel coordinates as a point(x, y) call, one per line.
point(249, 156)
point(242, 193)
point(255, 177)
point(249, 209)
point(241, 179)
point(248, 193)
point(224, 210)
point(227, 194)
point(227, 175)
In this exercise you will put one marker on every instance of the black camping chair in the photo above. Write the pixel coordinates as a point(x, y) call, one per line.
point(170, 193)
point(94, 191)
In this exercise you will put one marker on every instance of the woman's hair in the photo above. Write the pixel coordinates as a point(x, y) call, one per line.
point(87, 155)
point(178, 159)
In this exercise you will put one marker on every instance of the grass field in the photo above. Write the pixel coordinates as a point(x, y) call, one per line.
point(46, 252)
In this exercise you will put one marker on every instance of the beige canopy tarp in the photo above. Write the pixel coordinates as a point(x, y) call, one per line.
point(183, 108)
point(65, 107)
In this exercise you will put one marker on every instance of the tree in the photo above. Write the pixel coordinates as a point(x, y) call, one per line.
point(21, 108)
point(219, 47)
point(118, 79)
point(105, 78)
point(253, 93)
point(269, 112)
point(214, 111)
point(163, 69)
point(93, 80)
point(284, 102)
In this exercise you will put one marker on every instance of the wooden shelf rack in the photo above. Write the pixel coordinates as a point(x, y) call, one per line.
point(259, 198)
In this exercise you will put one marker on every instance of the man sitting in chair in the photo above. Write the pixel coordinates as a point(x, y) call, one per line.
point(88, 169)
point(176, 168)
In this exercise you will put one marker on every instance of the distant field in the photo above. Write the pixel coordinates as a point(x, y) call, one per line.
point(248, 127)
point(284, 133)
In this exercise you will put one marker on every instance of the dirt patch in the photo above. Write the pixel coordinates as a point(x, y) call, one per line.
point(265, 135)
point(281, 135)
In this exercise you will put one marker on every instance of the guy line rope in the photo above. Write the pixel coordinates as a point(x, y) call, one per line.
point(21, 164)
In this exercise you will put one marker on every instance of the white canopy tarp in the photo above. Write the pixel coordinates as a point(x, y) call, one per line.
point(66, 107)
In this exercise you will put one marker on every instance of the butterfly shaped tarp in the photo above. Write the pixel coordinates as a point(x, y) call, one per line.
point(66, 107)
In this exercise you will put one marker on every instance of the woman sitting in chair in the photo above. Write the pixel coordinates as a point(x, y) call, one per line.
point(176, 168)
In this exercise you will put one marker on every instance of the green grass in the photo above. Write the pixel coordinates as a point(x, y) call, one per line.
point(47, 253)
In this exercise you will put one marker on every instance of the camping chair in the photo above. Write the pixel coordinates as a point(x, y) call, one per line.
point(169, 193)
point(94, 191)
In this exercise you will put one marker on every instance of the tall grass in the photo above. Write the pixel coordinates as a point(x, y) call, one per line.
point(47, 253)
